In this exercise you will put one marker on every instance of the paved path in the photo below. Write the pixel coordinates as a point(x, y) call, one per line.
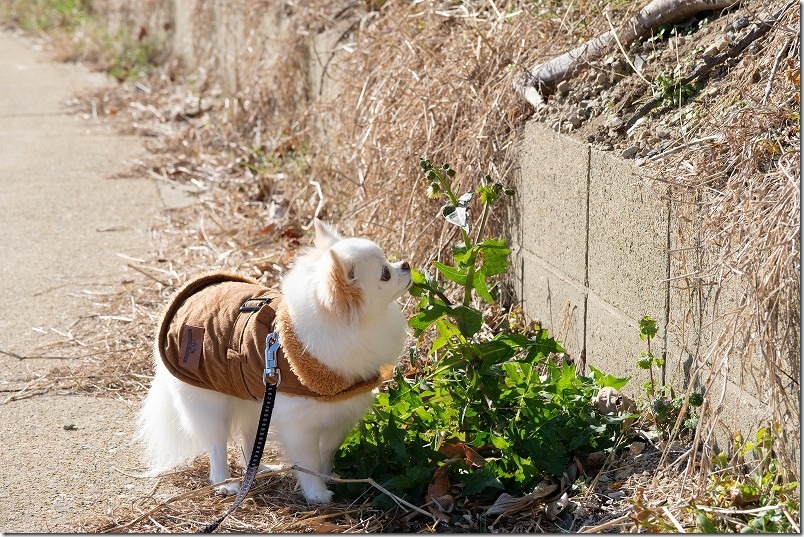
point(62, 223)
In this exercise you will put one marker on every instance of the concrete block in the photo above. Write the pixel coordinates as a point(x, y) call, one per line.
point(628, 238)
point(613, 344)
point(556, 301)
point(552, 199)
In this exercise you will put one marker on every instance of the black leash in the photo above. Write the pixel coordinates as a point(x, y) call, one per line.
point(271, 377)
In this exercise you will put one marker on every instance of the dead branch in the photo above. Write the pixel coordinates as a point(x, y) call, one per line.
point(546, 76)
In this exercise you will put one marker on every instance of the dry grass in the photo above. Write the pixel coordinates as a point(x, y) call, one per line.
point(739, 234)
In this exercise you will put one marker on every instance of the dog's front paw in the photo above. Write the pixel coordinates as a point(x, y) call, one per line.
point(271, 467)
point(227, 489)
point(318, 497)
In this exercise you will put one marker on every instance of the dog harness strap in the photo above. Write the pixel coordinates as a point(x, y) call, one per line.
point(248, 309)
point(256, 455)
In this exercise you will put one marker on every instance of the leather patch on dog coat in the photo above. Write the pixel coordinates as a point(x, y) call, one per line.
point(192, 344)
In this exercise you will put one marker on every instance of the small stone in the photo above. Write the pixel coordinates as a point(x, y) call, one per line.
point(563, 87)
point(663, 134)
point(556, 125)
point(713, 49)
point(680, 40)
point(740, 23)
point(602, 79)
point(637, 447)
point(614, 122)
point(596, 459)
point(606, 147)
point(639, 62)
point(590, 139)
point(619, 67)
point(623, 474)
point(616, 495)
point(630, 152)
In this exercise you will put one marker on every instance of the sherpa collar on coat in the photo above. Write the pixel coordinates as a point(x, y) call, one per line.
point(206, 340)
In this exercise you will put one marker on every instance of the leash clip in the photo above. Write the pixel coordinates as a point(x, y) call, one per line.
point(271, 370)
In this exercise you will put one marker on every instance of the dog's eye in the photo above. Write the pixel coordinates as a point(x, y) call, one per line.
point(386, 274)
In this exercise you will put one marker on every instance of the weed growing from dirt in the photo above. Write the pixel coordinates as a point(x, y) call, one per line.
point(750, 492)
point(485, 407)
point(660, 402)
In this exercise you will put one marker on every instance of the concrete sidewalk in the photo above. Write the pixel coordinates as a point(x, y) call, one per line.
point(63, 221)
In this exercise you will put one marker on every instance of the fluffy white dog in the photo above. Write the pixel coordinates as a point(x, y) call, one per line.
point(340, 297)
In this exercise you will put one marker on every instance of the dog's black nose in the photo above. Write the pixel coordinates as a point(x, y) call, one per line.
point(405, 265)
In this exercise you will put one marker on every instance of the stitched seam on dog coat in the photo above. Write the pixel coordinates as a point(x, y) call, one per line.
point(229, 358)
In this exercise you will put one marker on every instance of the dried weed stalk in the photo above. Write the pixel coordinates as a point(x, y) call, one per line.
point(738, 249)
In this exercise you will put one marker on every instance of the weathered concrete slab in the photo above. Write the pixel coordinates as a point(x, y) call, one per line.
point(69, 465)
point(628, 237)
point(613, 343)
point(558, 302)
point(553, 199)
point(63, 222)
point(550, 242)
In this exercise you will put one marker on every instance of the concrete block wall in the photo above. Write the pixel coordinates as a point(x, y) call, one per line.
point(593, 246)
point(591, 249)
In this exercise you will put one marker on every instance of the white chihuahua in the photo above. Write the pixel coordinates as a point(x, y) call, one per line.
point(340, 305)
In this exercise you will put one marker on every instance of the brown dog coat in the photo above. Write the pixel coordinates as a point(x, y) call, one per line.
point(206, 339)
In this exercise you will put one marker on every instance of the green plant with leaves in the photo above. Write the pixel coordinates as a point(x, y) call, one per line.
point(488, 407)
point(665, 407)
point(46, 15)
point(671, 89)
point(647, 331)
point(124, 51)
point(749, 492)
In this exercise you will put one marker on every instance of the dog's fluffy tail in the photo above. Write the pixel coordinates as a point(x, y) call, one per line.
point(160, 429)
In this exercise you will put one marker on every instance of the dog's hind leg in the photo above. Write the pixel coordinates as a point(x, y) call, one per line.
point(206, 415)
point(301, 446)
point(246, 419)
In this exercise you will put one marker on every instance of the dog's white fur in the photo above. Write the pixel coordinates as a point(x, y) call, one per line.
point(354, 331)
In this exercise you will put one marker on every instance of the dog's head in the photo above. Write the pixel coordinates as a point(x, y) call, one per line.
point(353, 277)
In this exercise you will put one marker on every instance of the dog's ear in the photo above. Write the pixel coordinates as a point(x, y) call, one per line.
point(338, 292)
point(325, 235)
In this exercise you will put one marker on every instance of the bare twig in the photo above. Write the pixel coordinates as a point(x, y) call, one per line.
point(776, 61)
point(399, 501)
point(606, 525)
point(149, 276)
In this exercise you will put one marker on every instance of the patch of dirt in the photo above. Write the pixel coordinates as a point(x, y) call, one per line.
point(600, 105)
